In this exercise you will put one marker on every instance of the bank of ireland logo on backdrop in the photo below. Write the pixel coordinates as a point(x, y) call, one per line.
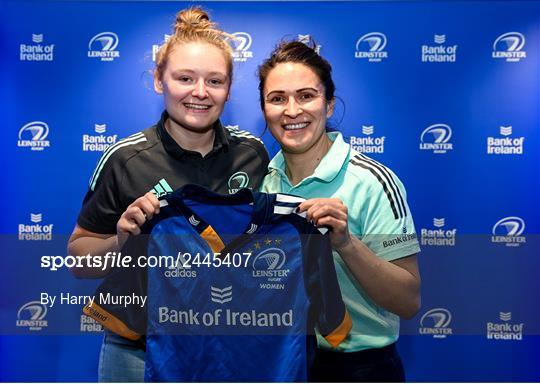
point(509, 46)
point(308, 40)
point(369, 143)
point(156, 47)
point(98, 142)
point(506, 144)
point(37, 230)
point(436, 322)
point(509, 231)
point(34, 136)
point(436, 138)
point(103, 46)
point(32, 316)
point(242, 44)
point(504, 329)
point(439, 52)
point(238, 181)
point(36, 51)
point(438, 236)
point(371, 47)
point(88, 324)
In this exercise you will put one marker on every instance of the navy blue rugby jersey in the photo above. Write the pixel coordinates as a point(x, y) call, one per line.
point(250, 282)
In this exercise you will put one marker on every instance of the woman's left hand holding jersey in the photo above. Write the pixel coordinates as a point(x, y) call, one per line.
point(394, 286)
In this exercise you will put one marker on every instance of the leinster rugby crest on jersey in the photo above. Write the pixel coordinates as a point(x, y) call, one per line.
point(238, 181)
point(269, 263)
point(265, 279)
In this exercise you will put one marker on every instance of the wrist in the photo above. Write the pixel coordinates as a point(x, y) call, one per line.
point(345, 247)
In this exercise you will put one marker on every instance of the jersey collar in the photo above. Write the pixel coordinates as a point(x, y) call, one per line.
point(175, 150)
point(329, 166)
point(259, 216)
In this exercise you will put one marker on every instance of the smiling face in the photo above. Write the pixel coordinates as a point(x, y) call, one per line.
point(195, 84)
point(295, 108)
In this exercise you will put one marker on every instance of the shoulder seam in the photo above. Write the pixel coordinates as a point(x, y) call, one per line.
point(134, 139)
point(259, 150)
point(387, 181)
point(235, 132)
point(129, 158)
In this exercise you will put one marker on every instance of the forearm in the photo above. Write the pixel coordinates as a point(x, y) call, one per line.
point(387, 284)
point(93, 246)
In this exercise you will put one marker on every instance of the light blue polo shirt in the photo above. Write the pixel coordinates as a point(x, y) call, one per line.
point(378, 215)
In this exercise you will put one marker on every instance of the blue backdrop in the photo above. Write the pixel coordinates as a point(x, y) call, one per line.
point(445, 93)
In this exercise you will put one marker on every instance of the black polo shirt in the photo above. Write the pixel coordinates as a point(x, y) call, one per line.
point(152, 161)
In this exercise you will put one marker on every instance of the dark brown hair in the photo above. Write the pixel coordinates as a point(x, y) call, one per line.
point(297, 52)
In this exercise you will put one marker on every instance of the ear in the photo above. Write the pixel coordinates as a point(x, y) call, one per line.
point(330, 108)
point(158, 85)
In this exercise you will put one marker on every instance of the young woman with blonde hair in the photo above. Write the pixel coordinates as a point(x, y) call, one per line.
point(188, 145)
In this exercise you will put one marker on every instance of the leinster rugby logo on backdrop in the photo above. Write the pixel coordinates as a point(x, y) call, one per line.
point(436, 138)
point(33, 135)
point(269, 264)
point(508, 230)
point(103, 45)
point(242, 43)
point(238, 181)
point(371, 47)
point(436, 322)
point(31, 315)
point(509, 46)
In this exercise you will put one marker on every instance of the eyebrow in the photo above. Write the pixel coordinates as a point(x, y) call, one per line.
point(297, 91)
point(190, 71)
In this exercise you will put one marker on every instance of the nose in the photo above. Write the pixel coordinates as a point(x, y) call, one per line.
point(292, 109)
point(200, 90)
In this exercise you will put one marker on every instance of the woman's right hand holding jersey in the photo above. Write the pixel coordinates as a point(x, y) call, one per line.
point(135, 215)
point(84, 242)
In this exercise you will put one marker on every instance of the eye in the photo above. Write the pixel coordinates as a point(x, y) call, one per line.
point(216, 82)
point(184, 79)
point(306, 96)
point(276, 99)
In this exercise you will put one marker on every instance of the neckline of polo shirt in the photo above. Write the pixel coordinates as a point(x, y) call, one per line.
point(328, 168)
point(175, 150)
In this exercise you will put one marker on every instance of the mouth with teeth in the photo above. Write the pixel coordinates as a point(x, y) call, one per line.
point(197, 107)
point(295, 126)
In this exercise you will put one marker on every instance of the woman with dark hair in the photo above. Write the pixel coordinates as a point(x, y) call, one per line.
point(362, 202)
